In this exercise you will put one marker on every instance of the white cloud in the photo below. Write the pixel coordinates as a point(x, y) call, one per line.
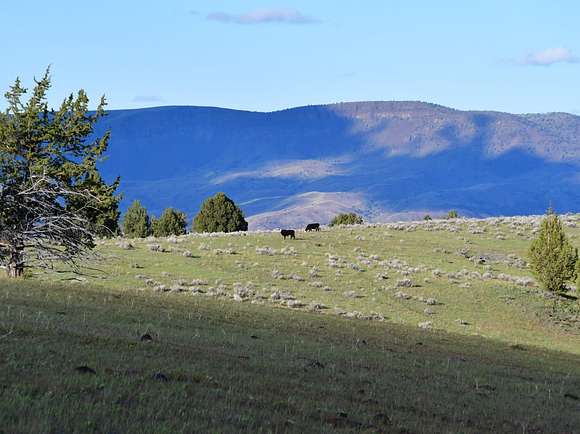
point(262, 16)
point(549, 57)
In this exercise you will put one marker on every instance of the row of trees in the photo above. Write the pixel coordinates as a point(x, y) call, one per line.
point(217, 214)
point(138, 224)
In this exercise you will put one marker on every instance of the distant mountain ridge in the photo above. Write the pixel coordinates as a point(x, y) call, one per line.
point(382, 159)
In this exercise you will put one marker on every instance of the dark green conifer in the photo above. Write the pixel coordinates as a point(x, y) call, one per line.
point(136, 223)
point(219, 214)
point(346, 219)
point(552, 258)
point(171, 222)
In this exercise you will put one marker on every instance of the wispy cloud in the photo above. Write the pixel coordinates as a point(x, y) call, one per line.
point(263, 16)
point(147, 98)
point(549, 56)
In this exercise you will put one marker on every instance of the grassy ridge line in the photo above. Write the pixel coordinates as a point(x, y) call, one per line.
point(243, 368)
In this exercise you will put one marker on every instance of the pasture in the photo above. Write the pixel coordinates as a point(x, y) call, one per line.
point(412, 327)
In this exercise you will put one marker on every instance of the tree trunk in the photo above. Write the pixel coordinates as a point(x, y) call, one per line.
point(15, 267)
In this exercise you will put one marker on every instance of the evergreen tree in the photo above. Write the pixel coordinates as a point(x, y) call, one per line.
point(136, 222)
point(427, 217)
point(171, 222)
point(552, 258)
point(104, 215)
point(346, 219)
point(219, 214)
point(50, 203)
point(453, 214)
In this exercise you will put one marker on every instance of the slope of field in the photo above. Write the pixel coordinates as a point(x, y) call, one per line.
point(79, 359)
point(398, 158)
point(416, 327)
point(465, 276)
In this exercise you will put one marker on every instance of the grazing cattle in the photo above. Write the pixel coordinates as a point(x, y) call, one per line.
point(288, 233)
point(312, 227)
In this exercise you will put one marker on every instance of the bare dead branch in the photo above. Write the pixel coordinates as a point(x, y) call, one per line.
point(39, 229)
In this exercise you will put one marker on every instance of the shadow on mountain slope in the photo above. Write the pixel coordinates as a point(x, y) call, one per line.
point(396, 157)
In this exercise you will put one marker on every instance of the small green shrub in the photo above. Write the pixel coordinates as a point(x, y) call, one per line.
point(219, 214)
point(171, 222)
point(427, 217)
point(453, 214)
point(136, 223)
point(552, 258)
point(346, 219)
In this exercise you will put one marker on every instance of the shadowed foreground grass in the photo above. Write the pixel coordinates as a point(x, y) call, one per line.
point(218, 366)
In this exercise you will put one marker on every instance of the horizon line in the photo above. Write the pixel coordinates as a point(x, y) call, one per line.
point(333, 104)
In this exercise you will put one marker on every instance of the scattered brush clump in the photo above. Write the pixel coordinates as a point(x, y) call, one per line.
point(314, 272)
point(277, 274)
point(125, 245)
point(296, 277)
point(228, 251)
point(242, 292)
point(267, 251)
point(289, 251)
point(404, 283)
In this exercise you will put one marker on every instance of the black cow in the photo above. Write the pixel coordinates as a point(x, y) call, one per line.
point(288, 233)
point(312, 227)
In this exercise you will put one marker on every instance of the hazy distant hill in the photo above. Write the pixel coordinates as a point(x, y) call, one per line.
point(383, 159)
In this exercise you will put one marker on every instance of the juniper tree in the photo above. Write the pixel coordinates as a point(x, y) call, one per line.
point(136, 223)
point(346, 219)
point(171, 222)
point(104, 215)
point(50, 205)
point(219, 214)
point(552, 258)
point(453, 214)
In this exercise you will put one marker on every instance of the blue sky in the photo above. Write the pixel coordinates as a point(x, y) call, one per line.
point(516, 56)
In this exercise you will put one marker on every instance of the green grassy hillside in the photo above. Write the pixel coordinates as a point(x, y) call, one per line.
point(463, 276)
point(430, 327)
